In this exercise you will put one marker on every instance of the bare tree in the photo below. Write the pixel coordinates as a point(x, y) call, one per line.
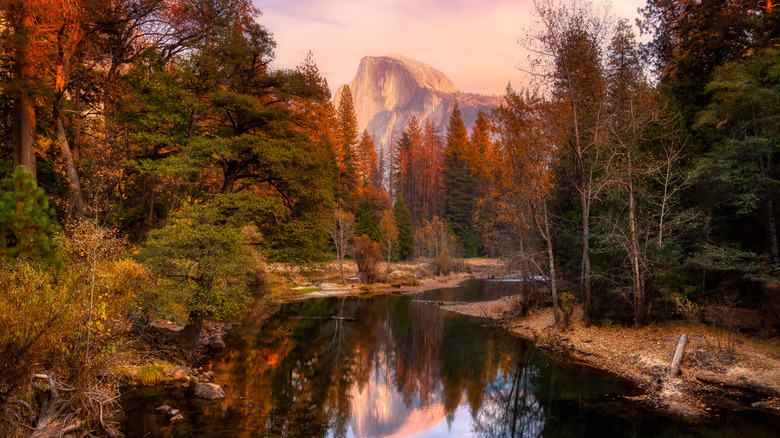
point(342, 229)
point(567, 48)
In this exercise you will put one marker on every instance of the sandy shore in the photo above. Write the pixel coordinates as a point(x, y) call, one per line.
point(715, 367)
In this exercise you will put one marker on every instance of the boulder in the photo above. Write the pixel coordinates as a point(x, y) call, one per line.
point(209, 391)
point(217, 343)
point(180, 373)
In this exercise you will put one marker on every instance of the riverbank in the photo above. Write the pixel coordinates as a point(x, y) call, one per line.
point(717, 368)
point(288, 284)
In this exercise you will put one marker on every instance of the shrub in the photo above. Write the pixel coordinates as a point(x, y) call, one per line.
point(443, 261)
point(206, 260)
point(367, 252)
point(568, 304)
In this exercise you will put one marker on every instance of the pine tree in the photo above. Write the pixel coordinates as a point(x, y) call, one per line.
point(459, 184)
point(365, 222)
point(27, 223)
point(346, 136)
point(405, 232)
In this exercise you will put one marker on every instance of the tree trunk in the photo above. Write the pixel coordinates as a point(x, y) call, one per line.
point(231, 175)
point(772, 224)
point(586, 303)
point(74, 184)
point(639, 311)
point(24, 104)
point(552, 281)
point(551, 260)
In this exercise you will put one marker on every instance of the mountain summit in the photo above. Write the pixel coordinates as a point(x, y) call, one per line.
point(389, 90)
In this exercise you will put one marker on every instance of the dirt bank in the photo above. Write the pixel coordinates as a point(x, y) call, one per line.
point(404, 278)
point(716, 366)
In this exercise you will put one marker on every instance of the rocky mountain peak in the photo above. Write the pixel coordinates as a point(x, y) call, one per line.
point(389, 90)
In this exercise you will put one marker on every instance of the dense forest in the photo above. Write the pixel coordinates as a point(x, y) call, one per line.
point(152, 162)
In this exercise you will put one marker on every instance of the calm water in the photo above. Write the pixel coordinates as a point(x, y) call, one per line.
point(406, 369)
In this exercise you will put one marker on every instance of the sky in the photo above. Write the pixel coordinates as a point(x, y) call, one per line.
point(474, 42)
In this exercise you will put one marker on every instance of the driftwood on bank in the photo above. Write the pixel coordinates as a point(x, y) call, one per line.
point(679, 352)
point(46, 425)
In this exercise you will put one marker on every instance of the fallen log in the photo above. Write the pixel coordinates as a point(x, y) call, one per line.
point(674, 369)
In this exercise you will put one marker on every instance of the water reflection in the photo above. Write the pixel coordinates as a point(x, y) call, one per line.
point(403, 369)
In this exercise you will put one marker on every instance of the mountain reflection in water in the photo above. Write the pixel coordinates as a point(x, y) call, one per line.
point(403, 369)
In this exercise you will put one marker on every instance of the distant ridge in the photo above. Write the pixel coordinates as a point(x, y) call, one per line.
point(389, 90)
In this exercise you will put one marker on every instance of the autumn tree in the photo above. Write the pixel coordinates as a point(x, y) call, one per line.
point(569, 41)
point(389, 233)
point(347, 138)
point(409, 168)
point(366, 159)
point(692, 38)
point(431, 156)
point(515, 206)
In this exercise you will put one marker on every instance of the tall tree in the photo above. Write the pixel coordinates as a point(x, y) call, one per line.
point(367, 166)
point(458, 181)
point(570, 40)
point(409, 169)
point(431, 181)
point(742, 169)
point(520, 184)
point(347, 137)
point(23, 43)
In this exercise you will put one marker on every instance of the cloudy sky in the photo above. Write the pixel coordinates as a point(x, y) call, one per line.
point(474, 42)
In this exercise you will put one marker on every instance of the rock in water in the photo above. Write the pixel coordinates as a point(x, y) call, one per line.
point(209, 391)
point(389, 90)
point(180, 373)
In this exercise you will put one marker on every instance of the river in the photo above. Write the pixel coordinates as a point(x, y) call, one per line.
point(407, 368)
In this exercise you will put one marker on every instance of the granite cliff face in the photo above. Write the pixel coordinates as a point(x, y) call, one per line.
point(389, 90)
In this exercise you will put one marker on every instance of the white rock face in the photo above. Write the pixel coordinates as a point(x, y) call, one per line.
point(389, 90)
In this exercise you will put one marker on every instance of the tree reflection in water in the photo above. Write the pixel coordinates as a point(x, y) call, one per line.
point(402, 369)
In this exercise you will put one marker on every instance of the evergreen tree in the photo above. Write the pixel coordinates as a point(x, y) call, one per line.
point(27, 223)
point(365, 222)
point(403, 220)
point(459, 184)
point(347, 135)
